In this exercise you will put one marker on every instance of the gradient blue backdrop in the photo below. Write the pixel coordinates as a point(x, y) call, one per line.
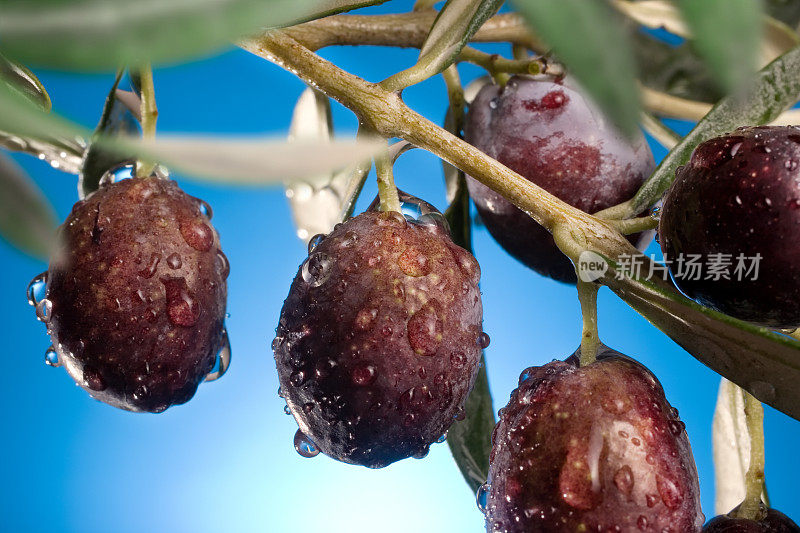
point(225, 461)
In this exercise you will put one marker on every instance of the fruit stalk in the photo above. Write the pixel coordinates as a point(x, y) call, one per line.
point(387, 191)
point(751, 507)
point(149, 112)
point(590, 340)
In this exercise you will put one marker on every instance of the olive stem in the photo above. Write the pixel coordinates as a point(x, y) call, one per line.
point(424, 5)
point(590, 340)
point(455, 96)
point(751, 508)
point(149, 113)
point(387, 192)
point(635, 225)
point(494, 63)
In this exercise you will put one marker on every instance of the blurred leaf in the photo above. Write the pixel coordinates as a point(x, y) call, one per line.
point(725, 35)
point(20, 117)
point(27, 220)
point(595, 47)
point(249, 161)
point(317, 208)
point(21, 78)
point(117, 118)
point(775, 88)
point(675, 70)
point(731, 442)
point(105, 34)
point(765, 363)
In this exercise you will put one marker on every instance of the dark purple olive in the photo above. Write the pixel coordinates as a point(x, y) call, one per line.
point(136, 294)
point(593, 448)
point(735, 209)
point(548, 132)
point(772, 521)
point(378, 341)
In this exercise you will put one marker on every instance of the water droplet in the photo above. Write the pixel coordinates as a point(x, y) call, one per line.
point(735, 149)
point(37, 288)
point(117, 174)
point(656, 213)
point(51, 357)
point(151, 267)
point(205, 209)
point(670, 494)
point(174, 261)
point(280, 392)
point(182, 309)
point(790, 164)
point(651, 500)
point(197, 234)
point(442, 438)
point(44, 310)
point(315, 241)
point(493, 103)
point(286, 410)
point(623, 480)
point(424, 330)
point(365, 318)
point(762, 390)
point(482, 497)
point(642, 522)
point(364, 374)
point(676, 427)
point(304, 446)
point(222, 360)
point(317, 269)
point(483, 340)
point(297, 378)
point(223, 264)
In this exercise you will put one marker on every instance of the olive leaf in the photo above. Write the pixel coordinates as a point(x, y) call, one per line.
point(455, 24)
point(763, 362)
point(775, 88)
point(249, 161)
point(19, 77)
point(469, 439)
point(104, 34)
point(119, 117)
point(27, 220)
point(596, 48)
point(731, 442)
point(724, 34)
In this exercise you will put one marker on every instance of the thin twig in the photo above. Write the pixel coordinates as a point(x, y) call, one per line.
point(387, 191)
point(590, 340)
point(149, 112)
point(630, 226)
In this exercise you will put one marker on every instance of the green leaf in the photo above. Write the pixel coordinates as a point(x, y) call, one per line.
point(27, 220)
point(775, 88)
point(19, 77)
point(117, 118)
point(596, 48)
point(765, 363)
point(106, 34)
point(725, 35)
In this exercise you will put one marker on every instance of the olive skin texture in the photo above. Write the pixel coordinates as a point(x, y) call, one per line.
point(593, 448)
point(739, 195)
point(549, 133)
point(772, 522)
point(377, 346)
point(138, 293)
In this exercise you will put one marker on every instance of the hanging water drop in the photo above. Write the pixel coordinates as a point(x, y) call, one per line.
point(44, 310)
point(51, 357)
point(315, 241)
point(304, 445)
point(286, 410)
point(483, 340)
point(442, 438)
point(223, 359)
point(37, 288)
point(317, 269)
point(482, 497)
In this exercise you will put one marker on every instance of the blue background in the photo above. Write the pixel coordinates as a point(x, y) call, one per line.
point(225, 461)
